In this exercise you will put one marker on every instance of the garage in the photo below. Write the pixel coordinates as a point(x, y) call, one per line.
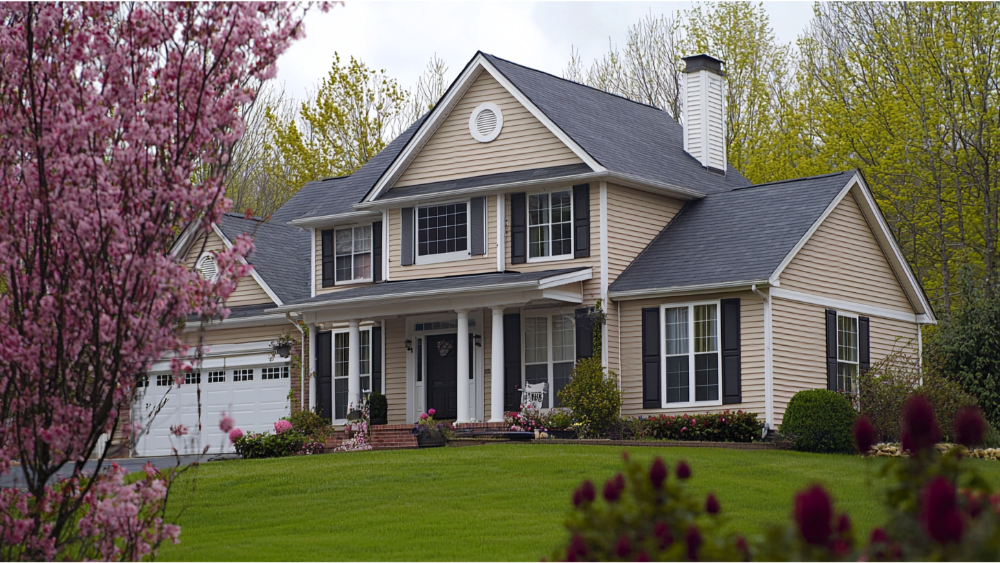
point(240, 379)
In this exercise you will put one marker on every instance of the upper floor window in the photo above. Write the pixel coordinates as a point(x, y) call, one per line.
point(443, 229)
point(354, 254)
point(692, 353)
point(550, 225)
point(847, 353)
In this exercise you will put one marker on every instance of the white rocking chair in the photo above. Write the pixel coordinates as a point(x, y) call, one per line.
point(533, 395)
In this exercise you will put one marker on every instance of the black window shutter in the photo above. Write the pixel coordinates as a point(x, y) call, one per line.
point(329, 255)
point(324, 374)
point(864, 344)
point(518, 229)
point(831, 349)
point(581, 221)
point(376, 359)
point(478, 233)
point(511, 362)
point(406, 237)
point(584, 333)
point(377, 251)
point(731, 377)
point(651, 395)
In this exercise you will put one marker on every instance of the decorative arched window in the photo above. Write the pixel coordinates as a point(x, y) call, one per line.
point(207, 267)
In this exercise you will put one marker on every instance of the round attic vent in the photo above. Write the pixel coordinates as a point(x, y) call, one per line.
point(486, 122)
point(207, 267)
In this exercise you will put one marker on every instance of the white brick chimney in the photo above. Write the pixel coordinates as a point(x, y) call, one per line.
point(705, 111)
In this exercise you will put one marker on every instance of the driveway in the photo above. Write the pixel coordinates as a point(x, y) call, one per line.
point(16, 476)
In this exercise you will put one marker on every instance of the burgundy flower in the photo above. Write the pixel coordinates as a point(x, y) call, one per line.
point(620, 482)
point(611, 492)
point(577, 549)
point(741, 545)
point(642, 556)
point(658, 473)
point(920, 427)
point(969, 426)
point(577, 497)
point(587, 492)
point(939, 511)
point(864, 435)
point(694, 541)
point(623, 548)
point(662, 533)
point(879, 536)
point(683, 471)
point(841, 547)
point(712, 504)
point(813, 511)
point(843, 524)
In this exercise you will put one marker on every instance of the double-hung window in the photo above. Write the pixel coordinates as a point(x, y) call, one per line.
point(550, 225)
point(354, 254)
point(847, 353)
point(549, 353)
point(443, 231)
point(691, 353)
point(341, 363)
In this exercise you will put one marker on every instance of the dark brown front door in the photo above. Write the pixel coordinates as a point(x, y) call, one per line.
point(442, 372)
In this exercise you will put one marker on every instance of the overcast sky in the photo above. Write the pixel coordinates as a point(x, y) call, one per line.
point(401, 37)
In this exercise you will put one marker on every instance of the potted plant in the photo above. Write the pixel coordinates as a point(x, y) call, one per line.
point(283, 345)
point(560, 424)
point(379, 409)
point(430, 433)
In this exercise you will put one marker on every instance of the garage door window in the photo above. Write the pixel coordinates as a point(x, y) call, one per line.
point(242, 375)
point(163, 380)
point(216, 377)
point(274, 373)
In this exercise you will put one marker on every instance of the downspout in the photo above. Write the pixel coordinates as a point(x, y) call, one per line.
point(768, 360)
point(302, 362)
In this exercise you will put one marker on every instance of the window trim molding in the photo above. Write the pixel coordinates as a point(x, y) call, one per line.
point(548, 313)
point(333, 366)
point(857, 347)
point(691, 377)
point(371, 255)
point(419, 260)
point(527, 226)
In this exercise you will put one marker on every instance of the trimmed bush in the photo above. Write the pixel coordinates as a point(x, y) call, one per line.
point(818, 420)
point(379, 408)
point(310, 424)
point(728, 426)
point(259, 446)
point(593, 396)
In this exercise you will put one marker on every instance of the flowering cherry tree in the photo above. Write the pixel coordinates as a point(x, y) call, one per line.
point(116, 122)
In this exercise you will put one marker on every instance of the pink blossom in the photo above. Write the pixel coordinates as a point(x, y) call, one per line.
point(423, 416)
point(431, 412)
point(282, 426)
point(235, 434)
point(179, 430)
point(226, 423)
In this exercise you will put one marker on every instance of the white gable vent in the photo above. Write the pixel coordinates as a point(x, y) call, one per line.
point(486, 122)
point(207, 267)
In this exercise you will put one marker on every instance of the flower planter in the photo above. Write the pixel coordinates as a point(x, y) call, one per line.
point(283, 350)
point(430, 440)
point(563, 434)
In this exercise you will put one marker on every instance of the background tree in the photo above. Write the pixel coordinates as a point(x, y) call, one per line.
point(108, 112)
point(430, 87)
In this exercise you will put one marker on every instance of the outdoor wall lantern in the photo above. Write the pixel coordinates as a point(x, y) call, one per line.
point(479, 340)
point(409, 345)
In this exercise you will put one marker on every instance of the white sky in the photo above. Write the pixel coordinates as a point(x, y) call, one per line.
point(401, 37)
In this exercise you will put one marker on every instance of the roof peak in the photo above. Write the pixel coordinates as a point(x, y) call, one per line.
point(790, 180)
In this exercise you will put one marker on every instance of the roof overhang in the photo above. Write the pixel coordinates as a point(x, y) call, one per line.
point(253, 271)
point(338, 219)
point(695, 289)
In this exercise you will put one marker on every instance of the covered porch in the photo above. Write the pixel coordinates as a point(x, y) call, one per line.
point(461, 345)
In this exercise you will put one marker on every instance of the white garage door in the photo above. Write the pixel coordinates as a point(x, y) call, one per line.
point(254, 395)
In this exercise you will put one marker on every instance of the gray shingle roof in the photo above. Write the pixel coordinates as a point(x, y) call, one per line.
point(280, 256)
point(739, 235)
point(486, 180)
point(622, 135)
point(395, 289)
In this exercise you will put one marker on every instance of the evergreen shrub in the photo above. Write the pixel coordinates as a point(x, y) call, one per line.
point(818, 420)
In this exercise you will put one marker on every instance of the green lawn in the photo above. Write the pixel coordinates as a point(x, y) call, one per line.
point(496, 502)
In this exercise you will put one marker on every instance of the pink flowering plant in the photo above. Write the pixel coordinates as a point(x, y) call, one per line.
point(726, 426)
point(117, 123)
point(527, 420)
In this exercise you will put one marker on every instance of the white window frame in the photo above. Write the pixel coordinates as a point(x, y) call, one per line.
point(447, 256)
point(692, 402)
point(527, 222)
point(371, 255)
point(549, 361)
point(857, 350)
point(333, 365)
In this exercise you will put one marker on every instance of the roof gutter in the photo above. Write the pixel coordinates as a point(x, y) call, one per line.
point(627, 180)
point(686, 289)
point(335, 219)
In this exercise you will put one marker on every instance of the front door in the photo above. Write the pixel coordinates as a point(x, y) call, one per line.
point(442, 373)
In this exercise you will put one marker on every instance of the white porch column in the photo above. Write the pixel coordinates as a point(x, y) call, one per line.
point(496, 367)
point(312, 366)
point(354, 365)
point(462, 349)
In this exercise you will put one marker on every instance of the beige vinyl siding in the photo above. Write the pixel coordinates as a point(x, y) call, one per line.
point(472, 265)
point(843, 260)
point(524, 142)
point(247, 292)
point(394, 370)
point(800, 347)
point(239, 335)
point(751, 354)
point(635, 218)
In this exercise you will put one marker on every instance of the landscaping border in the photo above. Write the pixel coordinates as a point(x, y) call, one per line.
point(660, 444)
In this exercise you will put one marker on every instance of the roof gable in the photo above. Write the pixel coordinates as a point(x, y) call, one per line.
point(251, 290)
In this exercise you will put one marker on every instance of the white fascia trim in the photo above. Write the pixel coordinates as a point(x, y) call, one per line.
point(686, 290)
point(336, 219)
point(627, 180)
point(848, 306)
point(220, 350)
point(261, 320)
point(253, 272)
point(312, 262)
point(180, 245)
point(564, 296)
point(581, 275)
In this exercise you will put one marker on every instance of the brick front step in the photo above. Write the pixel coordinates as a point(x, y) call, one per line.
point(393, 437)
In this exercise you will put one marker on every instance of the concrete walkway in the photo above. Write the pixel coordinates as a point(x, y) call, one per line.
point(16, 476)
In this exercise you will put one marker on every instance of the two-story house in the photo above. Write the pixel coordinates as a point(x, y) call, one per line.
point(465, 259)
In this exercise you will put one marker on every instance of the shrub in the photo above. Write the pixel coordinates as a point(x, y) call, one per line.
point(593, 396)
point(559, 419)
point(379, 406)
point(992, 437)
point(818, 420)
point(310, 424)
point(947, 398)
point(528, 420)
point(713, 427)
point(883, 389)
point(257, 446)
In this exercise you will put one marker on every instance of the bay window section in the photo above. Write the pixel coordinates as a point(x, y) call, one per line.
point(549, 353)
point(550, 225)
point(691, 353)
point(847, 353)
point(354, 254)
